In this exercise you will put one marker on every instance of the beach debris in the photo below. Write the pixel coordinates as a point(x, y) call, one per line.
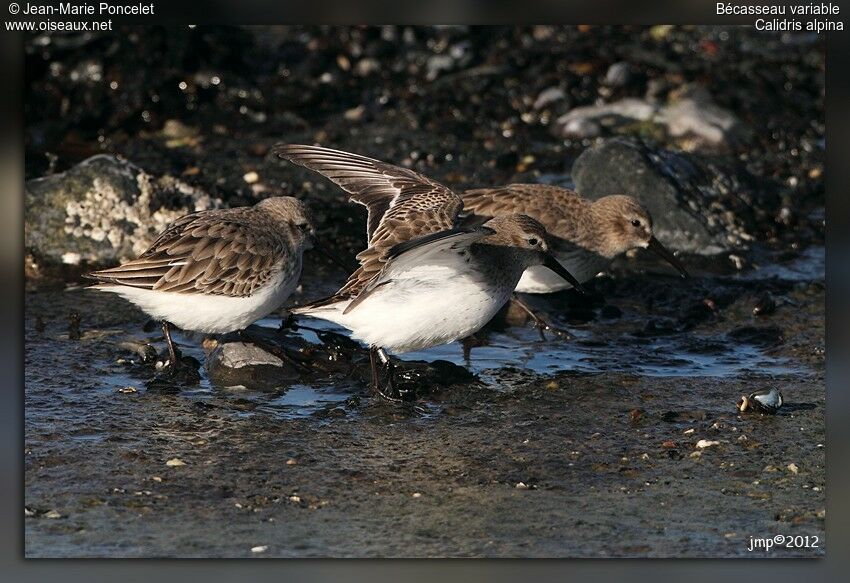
point(763, 401)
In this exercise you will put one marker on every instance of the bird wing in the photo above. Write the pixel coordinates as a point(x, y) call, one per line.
point(385, 190)
point(402, 205)
point(419, 251)
point(207, 252)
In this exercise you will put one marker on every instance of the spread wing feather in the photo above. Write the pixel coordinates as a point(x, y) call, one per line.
point(402, 205)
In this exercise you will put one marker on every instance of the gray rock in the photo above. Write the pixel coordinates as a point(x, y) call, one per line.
point(248, 365)
point(618, 75)
point(103, 210)
point(697, 206)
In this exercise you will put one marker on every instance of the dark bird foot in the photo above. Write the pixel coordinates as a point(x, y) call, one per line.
point(383, 378)
point(540, 322)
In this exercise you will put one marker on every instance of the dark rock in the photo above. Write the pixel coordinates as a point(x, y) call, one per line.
point(102, 210)
point(697, 205)
point(609, 312)
point(765, 305)
point(764, 336)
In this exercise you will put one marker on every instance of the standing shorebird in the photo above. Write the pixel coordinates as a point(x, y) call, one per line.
point(217, 271)
point(586, 235)
point(423, 280)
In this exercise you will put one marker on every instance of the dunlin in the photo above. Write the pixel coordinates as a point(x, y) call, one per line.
point(423, 280)
point(217, 271)
point(585, 235)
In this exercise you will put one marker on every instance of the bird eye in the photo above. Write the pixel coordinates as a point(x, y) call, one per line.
point(635, 223)
point(533, 242)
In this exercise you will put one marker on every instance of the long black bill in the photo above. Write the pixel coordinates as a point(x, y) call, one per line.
point(333, 258)
point(555, 265)
point(656, 247)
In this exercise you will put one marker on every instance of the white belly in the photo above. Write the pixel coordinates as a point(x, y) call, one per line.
point(429, 306)
point(539, 280)
point(210, 314)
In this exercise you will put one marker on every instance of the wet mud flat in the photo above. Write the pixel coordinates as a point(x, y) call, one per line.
point(590, 452)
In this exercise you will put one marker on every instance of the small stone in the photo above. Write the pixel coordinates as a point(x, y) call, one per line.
point(618, 75)
point(292, 462)
point(28, 512)
point(260, 548)
point(792, 467)
point(52, 514)
point(295, 498)
point(548, 97)
point(703, 443)
point(551, 386)
point(417, 495)
point(355, 113)
point(128, 390)
point(695, 454)
point(175, 462)
point(251, 177)
point(688, 431)
point(156, 479)
point(668, 444)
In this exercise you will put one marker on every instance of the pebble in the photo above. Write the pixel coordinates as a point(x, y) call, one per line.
point(251, 177)
point(355, 113)
point(548, 97)
point(618, 75)
point(792, 467)
point(417, 495)
point(291, 462)
point(260, 548)
point(175, 462)
point(128, 390)
point(52, 514)
point(703, 443)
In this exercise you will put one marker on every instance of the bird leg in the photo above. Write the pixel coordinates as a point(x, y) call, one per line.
point(173, 351)
point(477, 339)
point(385, 388)
point(539, 321)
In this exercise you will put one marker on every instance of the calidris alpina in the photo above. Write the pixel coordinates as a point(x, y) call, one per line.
point(217, 271)
point(423, 280)
point(585, 235)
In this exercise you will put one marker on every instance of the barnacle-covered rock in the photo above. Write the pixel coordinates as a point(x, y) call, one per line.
point(103, 210)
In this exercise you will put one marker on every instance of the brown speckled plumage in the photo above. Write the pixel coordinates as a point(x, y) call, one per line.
point(227, 252)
